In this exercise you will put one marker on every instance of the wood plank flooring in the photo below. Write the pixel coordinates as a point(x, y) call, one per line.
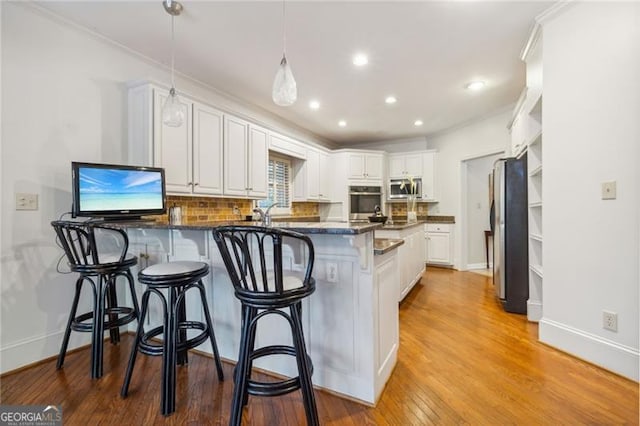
point(462, 360)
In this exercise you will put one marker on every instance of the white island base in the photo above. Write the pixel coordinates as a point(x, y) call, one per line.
point(350, 322)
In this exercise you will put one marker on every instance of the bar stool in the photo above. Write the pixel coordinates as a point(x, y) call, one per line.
point(177, 278)
point(263, 289)
point(101, 268)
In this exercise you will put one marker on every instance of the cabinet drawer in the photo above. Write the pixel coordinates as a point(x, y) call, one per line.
point(438, 227)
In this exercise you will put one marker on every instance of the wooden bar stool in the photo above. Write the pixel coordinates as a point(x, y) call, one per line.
point(253, 258)
point(100, 267)
point(177, 278)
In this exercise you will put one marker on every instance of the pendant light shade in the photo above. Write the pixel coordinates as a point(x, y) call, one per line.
point(172, 111)
point(285, 91)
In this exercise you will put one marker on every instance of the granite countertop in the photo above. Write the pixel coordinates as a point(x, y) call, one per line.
point(338, 228)
point(385, 245)
point(441, 219)
point(401, 224)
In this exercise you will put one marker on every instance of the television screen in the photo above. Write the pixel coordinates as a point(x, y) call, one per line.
point(115, 191)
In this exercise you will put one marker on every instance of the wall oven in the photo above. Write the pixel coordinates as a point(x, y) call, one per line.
point(363, 201)
point(400, 188)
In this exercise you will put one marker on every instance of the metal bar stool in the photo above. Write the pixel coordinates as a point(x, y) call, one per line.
point(101, 268)
point(263, 289)
point(177, 278)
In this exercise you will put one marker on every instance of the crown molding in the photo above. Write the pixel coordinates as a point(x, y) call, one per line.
point(540, 20)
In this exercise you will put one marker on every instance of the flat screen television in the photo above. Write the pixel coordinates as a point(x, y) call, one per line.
point(117, 192)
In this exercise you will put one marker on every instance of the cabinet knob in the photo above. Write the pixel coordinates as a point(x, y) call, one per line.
point(196, 184)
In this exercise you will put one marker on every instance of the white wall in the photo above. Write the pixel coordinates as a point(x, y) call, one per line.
point(65, 98)
point(477, 209)
point(591, 126)
point(477, 139)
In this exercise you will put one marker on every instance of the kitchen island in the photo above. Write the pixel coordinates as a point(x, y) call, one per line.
point(350, 322)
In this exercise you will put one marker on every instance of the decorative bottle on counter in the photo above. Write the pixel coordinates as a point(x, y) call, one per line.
point(412, 216)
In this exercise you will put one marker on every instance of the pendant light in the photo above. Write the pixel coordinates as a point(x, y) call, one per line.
point(284, 91)
point(172, 111)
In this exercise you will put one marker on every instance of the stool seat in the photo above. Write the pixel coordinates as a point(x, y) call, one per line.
point(101, 270)
point(175, 279)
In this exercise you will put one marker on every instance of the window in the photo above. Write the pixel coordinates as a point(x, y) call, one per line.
point(279, 186)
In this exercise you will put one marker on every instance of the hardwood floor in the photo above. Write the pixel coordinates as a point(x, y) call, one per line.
point(462, 360)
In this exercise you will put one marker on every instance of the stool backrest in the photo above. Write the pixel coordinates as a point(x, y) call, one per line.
point(81, 247)
point(253, 257)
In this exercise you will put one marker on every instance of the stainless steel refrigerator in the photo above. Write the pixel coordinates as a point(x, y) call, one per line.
point(509, 223)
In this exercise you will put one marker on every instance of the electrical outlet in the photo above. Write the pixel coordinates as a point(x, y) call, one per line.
point(332, 272)
point(26, 201)
point(609, 190)
point(236, 210)
point(609, 320)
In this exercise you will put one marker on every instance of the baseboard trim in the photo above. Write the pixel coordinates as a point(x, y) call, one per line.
point(534, 311)
point(474, 266)
point(612, 356)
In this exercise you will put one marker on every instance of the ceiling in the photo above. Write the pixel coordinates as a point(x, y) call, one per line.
point(423, 53)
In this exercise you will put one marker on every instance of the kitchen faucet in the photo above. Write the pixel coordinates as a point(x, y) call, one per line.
point(265, 217)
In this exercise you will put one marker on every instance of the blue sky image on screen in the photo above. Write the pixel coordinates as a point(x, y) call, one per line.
point(112, 189)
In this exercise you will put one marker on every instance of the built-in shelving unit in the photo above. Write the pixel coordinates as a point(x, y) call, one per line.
point(531, 114)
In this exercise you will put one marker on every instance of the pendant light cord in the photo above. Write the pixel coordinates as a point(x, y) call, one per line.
point(173, 53)
point(284, 31)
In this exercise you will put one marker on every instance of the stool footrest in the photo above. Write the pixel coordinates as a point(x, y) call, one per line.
point(154, 349)
point(79, 323)
point(278, 388)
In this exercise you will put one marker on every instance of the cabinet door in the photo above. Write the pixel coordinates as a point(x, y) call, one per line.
point(207, 150)
point(356, 166)
point(172, 146)
point(413, 165)
point(313, 174)
point(428, 176)
point(438, 247)
point(258, 162)
point(324, 177)
point(396, 166)
point(236, 133)
point(373, 166)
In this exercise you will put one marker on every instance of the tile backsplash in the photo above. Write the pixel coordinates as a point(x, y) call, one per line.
point(209, 209)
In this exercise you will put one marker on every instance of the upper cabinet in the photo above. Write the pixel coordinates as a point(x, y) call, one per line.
point(405, 165)
point(365, 166)
point(311, 177)
point(246, 158)
point(191, 154)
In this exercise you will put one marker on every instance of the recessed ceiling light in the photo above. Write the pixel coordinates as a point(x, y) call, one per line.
point(417, 123)
point(342, 123)
point(391, 100)
point(314, 104)
point(475, 85)
point(360, 60)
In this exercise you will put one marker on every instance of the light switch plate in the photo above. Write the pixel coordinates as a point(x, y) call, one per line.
point(609, 190)
point(26, 201)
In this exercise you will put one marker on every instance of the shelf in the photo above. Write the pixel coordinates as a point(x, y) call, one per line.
point(537, 269)
point(535, 237)
point(536, 109)
point(535, 139)
point(536, 171)
point(536, 204)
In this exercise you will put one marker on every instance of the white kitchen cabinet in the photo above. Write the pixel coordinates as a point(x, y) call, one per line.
point(429, 188)
point(311, 177)
point(245, 158)
point(405, 165)
point(364, 166)
point(439, 244)
point(411, 256)
point(191, 154)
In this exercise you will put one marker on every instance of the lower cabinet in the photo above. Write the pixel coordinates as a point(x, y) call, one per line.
point(411, 256)
point(439, 245)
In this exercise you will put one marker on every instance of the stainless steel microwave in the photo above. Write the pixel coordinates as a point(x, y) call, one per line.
point(401, 188)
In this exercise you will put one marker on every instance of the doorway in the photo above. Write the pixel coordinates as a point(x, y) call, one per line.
point(477, 250)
